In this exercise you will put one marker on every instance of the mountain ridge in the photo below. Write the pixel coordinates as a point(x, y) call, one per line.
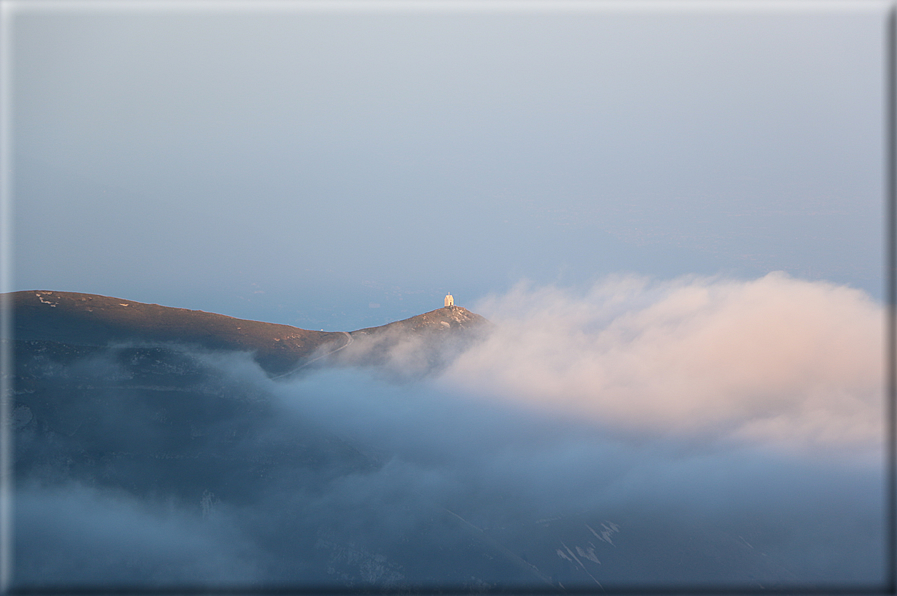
point(96, 320)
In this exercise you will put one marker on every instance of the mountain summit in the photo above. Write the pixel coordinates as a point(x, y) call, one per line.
point(416, 346)
point(441, 319)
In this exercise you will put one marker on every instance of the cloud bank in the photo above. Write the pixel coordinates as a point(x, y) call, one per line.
point(776, 360)
point(749, 411)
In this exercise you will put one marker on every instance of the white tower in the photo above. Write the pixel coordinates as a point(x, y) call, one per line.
point(449, 301)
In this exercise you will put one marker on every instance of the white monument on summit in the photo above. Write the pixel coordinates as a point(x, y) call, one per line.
point(449, 301)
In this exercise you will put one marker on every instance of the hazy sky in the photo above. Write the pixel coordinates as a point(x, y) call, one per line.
point(342, 165)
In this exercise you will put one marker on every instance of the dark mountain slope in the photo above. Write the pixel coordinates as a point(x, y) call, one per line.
point(92, 320)
point(119, 423)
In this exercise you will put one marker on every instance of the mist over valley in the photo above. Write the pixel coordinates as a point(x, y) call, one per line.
point(607, 438)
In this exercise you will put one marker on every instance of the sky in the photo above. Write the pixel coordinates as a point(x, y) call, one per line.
point(344, 165)
point(672, 214)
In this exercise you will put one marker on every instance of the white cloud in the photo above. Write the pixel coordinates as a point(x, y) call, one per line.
point(776, 360)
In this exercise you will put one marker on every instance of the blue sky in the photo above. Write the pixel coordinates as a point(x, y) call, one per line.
point(344, 165)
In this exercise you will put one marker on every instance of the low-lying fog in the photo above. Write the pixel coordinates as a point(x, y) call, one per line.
point(700, 430)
